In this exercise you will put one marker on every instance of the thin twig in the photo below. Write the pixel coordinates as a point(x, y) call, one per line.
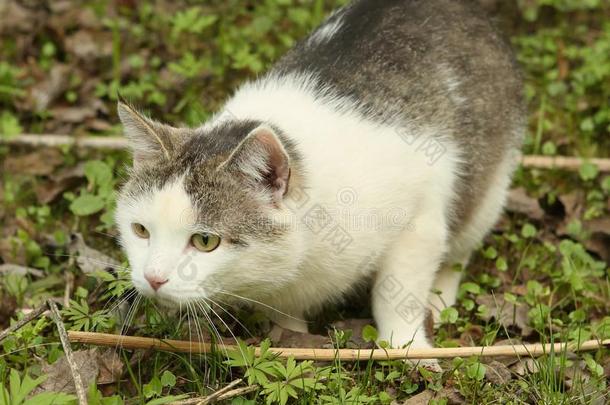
point(236, 392)
point(523, 349)
point(216, 396)
point(26, 319)
point(562, 162)
point(65, 342)
point(571, 163)
point(53, 140)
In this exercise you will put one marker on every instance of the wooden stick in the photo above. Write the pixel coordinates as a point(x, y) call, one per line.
point(65, 342)
point(116, 143)
point(562, 162)
point(53, 140)
point(526, 350)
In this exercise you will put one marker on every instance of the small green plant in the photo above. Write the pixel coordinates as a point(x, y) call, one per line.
point(19, 391)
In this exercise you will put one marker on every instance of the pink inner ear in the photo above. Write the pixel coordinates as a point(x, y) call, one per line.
point(279, 170)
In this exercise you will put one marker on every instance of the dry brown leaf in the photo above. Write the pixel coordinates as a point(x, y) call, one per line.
point(7, 309)
point(471, 336)
point(497, 373)
point(73, 114)
point(47, 192)
point(46, 91)
point(22, 19)
point(8, 268)
point(599, 240)
point(505, 313)
point(93, 366)
point(42, 162)
point(423, 398)
point(287, 338)
point(525, 366)
point(90, 260)
point(110, 366)
point(519, 202)
point(89, 45)
point(59, 376)
point(573, 207)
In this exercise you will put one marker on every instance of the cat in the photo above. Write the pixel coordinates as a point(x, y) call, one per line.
point(379, 148)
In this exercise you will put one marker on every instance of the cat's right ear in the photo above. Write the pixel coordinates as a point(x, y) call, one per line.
point(149, 140)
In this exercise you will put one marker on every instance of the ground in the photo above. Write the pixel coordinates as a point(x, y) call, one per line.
point(541, 276)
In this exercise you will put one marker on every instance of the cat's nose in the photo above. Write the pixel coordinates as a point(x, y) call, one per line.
point(155, 281)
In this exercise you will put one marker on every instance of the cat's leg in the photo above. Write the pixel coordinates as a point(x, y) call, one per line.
point(402, 286)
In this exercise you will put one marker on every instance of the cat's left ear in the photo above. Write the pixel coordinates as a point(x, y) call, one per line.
point(262, 161)
point(149, 140)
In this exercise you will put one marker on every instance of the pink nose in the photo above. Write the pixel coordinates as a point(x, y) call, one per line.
point(155, 281)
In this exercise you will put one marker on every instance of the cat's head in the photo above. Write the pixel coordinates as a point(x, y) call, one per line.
point(203, 213)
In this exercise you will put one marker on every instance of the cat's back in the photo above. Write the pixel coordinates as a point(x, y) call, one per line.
point(431, 68)
point(437, 67)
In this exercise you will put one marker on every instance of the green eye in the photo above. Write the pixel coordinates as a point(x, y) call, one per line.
point(140, 230)
point(205, 242)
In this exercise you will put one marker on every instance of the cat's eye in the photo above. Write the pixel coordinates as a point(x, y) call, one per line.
point(140, 230)
point(205, 242)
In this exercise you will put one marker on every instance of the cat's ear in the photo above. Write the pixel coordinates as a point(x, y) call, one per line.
point(148, 139)
point(262, 161)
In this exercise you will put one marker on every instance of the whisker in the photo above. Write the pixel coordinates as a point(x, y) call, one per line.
point(226, 326)
point(130, 314)
point(260, 303)
point(91, 259)
point(122, 299)
point(199, 331)
point(231, 315)
point(214, 329)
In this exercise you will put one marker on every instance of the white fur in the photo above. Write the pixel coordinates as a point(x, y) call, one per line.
point(388, 177)
point(380, 193)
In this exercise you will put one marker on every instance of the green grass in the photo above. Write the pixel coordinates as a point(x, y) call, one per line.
point(180, 62)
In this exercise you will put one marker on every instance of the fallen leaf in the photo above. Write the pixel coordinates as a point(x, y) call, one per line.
point(573, 207)
point(505, 313)
point(519, 202)
point(22, 19)
point(423, 398)
point(7, 309)
point(59, 375)
point(525, 366)
point(93, 366)
point(42, 162)
point(46, 91)
point(287, 338)
point(599, 239)
point(90, 260)
point(497, 373)
point(59, 182)
point(110, 367)
point(471, 336)
point(89, 45)
point(8, 268)
point(73, 114)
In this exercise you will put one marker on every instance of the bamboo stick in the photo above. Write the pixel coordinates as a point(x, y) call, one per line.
point(525, 350)
point(117, 143)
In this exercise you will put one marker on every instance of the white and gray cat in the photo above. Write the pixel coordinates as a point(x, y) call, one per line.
point(379, 148)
